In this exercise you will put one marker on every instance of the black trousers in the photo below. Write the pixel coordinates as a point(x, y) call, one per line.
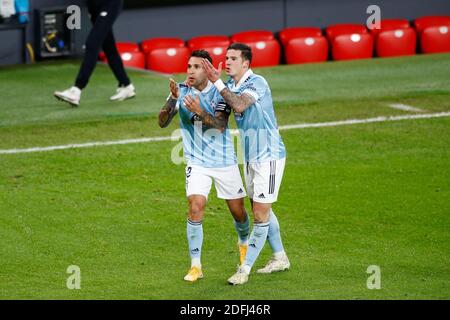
point(103, 15)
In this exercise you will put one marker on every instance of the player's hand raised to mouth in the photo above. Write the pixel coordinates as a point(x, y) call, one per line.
point(193, 104)
point(212, 73)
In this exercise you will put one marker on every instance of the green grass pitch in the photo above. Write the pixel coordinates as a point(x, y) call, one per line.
point(352, 196)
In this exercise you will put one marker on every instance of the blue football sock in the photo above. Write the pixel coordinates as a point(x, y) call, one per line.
point(243, 230)
point(195, 239)
point(256, 243)
point(274, 236)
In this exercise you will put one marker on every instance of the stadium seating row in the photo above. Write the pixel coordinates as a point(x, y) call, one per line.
point(395, 37)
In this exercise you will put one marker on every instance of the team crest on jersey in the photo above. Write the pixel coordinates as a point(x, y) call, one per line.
point(213, 104)
point(248, 87)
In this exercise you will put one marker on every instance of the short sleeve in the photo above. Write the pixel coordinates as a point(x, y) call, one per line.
point(255, 87)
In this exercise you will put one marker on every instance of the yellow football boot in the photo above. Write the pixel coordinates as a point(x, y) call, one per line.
point(194, 274)
point(242, 252)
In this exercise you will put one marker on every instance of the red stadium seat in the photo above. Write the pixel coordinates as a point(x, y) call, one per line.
point(133, 59)
point(394, 38)
point(121, 47)
point(391, 25)
point(350, 41)
point(265, 49)
point(352, 46)
point(344, 29)
point(252, 35)
point(303, 45)
point(306, 50)
point(431, 21)
point(393, 43)
point(215, 45)
point(168, 60)
point(298, 32)
point(218, 54)
point(265, 53)
point(208, 41)
point(130, 54)
point(435, 39)
point(127, 47)
point(161, 43)
point(433, 33)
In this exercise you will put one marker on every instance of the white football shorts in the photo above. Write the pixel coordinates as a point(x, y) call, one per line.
point(263, 180)
point(227, 180)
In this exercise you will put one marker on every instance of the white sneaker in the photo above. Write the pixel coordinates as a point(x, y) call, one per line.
point(276, 265)
point(240, 277)
point(123, 93)
point(71, 95)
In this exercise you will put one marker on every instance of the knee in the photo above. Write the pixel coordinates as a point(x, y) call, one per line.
point(237, 210)
point(261, 215)
point(239, 214)
point(196, 210)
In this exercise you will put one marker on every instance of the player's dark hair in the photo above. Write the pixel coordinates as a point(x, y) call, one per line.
point(201, 54)
point(246, 51)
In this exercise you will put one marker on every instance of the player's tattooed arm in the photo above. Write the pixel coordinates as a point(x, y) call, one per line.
point(167, 112)
point(237, 103)
point(217, 121)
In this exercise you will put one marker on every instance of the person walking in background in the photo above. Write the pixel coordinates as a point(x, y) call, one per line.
point(103, 14)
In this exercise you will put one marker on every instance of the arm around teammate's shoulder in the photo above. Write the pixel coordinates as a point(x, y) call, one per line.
point(237, 102)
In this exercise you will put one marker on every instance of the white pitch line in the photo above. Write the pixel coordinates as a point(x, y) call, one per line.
point(85, 145)
point(369, 120)
point(404, 107)
point(234, 132)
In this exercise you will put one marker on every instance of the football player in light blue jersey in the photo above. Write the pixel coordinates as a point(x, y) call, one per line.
point(250, 97)
point(209, 153)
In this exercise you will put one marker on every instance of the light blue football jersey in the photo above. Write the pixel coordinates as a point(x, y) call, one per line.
point(260, 138)
point(204, 146)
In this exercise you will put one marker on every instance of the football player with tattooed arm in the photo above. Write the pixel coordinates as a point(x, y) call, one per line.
point(209, 153)
point(250, 97)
